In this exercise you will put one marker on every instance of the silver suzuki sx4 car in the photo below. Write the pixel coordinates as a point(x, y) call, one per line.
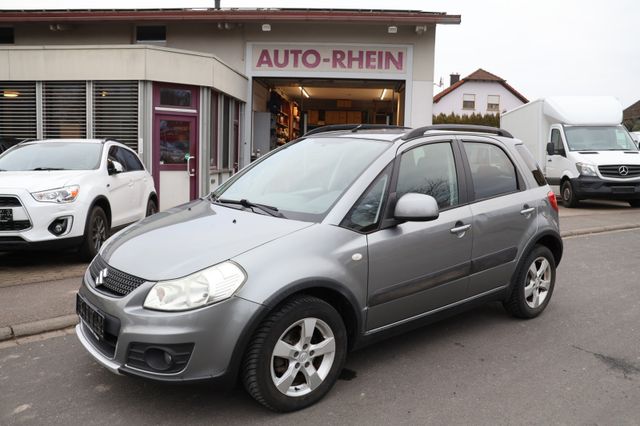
point(331, 242)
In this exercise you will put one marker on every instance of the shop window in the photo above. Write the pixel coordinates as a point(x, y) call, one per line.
point(468, 101)
point(493, 103)
point(64, 109)
point(151, 34)
point(115, 111)
point(17, 112)
point(7, 35)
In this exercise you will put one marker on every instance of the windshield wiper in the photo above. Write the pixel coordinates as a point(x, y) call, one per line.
point(273, 211)
point(48, 168)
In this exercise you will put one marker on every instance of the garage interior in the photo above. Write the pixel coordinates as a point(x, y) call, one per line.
point(286, 108)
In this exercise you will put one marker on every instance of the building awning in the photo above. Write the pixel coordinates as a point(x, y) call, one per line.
point(356, 16)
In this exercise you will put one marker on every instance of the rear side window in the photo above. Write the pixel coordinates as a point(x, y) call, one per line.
point(492, 171)
point(531, 165)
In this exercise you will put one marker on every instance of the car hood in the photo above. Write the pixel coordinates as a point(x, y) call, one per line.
point(601, 158)
point(42, 180)
point(191, 237)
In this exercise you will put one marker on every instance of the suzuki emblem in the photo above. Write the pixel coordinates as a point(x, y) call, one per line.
point(101, 277)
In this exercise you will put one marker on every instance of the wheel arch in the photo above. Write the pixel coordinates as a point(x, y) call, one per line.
point(154, 197)
point(102, 202)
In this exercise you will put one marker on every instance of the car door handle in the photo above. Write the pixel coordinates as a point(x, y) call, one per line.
point(460, 229)
point(527, 210)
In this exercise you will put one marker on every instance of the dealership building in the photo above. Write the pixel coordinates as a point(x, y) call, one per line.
point(199, 93)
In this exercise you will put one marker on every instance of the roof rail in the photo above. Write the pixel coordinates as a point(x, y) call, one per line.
point(457, 128)
point(353, 127)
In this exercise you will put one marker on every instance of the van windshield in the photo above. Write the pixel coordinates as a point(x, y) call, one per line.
point(303, 180)
point(599, 138)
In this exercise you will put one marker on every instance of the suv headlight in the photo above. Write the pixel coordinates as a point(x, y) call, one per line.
point(67, 194)
point(586, 169)
point(202, 288)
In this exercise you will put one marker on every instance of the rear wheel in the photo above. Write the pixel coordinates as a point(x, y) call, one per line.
point(296, 355)
point(96, 231)
point(533, 284)
point(152, 207)
point(569, 198)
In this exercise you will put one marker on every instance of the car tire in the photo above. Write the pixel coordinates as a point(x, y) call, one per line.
point(96, 231)
point(569, 198)
point(281, 352)
point(152, 208)
point(533, 284)
point(634, 203)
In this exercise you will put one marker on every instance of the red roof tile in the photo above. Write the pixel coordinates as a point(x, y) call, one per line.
point(480, 75)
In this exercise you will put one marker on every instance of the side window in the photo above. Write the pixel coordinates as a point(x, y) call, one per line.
point(132, 162)
point(365, 213)
point(556, 139)
point(492, 171)
point(431, 170)
point(115, 154)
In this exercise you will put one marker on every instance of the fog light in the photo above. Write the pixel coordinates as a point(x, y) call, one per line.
point(61, 226)
point(158, 359)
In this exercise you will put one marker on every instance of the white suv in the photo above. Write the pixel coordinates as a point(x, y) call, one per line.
point(67, 193)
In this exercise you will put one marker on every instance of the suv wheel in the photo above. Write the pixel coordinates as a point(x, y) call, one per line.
point(533, 284)
point(152, 208)
point(96, 232)
point(295, 355)
point(568, 195)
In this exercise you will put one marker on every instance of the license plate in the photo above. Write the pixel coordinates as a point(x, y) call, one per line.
point(6, 215)
point(90, 317)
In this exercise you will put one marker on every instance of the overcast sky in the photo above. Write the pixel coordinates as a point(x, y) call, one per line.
point(542, 48)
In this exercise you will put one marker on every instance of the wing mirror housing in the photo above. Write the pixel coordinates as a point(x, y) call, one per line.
point(551, 149)
point(414, 207)
point(114, 167)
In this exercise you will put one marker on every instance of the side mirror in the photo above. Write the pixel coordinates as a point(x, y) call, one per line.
point(114, 167)
point(414, 207)
point(551, 150)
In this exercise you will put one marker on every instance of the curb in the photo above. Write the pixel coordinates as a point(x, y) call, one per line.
point(599, 229)
point(37, 327)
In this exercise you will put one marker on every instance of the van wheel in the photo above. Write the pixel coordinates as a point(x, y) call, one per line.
point(634, 203)
point(533, 284)
point(296, 355)
point(152, 208)
point(569, 198)
point(96, 231)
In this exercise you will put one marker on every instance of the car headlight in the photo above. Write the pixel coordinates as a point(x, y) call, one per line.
point(202, 288)
point(68, 194)
point(586, 169)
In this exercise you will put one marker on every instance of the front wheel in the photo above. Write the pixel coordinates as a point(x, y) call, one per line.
point(96, 232)
point(568, 195)
point(533, 284)
point(296, 355)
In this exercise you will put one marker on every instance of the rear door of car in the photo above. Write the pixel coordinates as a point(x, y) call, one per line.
point(417, 267)
point(504, 212)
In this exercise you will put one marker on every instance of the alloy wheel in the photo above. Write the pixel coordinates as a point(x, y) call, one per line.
point(302, 357)
point(538, 282)
point(98, 232)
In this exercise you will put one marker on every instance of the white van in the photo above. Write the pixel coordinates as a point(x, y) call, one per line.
point(581, 146)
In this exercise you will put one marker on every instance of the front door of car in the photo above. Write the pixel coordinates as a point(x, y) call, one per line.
point(417, 267)
point(504, 214)
point(557, 161)
point(121, 187)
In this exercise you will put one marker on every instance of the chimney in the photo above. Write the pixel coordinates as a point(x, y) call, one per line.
point(217, 5)
point(453, 79)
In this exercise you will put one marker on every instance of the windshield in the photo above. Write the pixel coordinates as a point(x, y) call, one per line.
point(304, 179)
point(598, 138)
point(52, 156)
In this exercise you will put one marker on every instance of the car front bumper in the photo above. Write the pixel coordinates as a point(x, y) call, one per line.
point(596, 187)
point(31, 220)
point(214, 335)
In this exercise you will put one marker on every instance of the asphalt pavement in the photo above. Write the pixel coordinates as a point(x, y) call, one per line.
point(578, 363)
point(37, 290)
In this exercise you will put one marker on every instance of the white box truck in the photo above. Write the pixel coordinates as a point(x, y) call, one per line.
point(583, 150)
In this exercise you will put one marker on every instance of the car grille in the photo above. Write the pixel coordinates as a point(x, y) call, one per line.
point(15, 225)
point(633, 171)
point(9, 201)
point(115, 282)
